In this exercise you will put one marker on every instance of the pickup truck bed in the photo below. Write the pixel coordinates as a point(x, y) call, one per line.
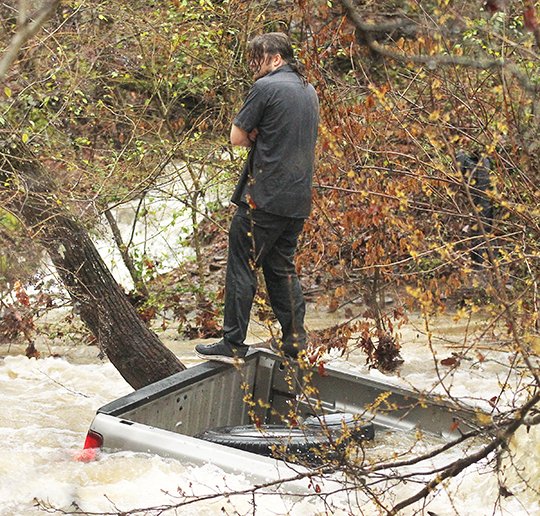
point(165, 417)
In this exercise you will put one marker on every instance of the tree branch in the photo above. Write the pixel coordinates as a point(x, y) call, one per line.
point(27, 30)
point(22, 15)
point(459, 465)
point(432, 61)
point(136, 276)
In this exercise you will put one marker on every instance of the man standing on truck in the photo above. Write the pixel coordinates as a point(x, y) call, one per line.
point(278, 122)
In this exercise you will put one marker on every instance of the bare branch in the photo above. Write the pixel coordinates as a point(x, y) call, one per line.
point(433, 61)
point(27, 30)
point(459, 465)
point(22, 15)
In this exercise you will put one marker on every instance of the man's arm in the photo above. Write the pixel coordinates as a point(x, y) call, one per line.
point(242, 138)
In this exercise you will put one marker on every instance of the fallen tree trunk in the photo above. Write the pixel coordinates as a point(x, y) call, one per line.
point(28, 191)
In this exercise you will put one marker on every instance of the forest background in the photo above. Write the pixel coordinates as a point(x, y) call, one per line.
point(426, 186)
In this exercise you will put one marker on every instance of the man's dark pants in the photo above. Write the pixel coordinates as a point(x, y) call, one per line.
point(257, 238)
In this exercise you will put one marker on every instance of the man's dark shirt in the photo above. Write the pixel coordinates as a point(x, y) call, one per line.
point(285, 111)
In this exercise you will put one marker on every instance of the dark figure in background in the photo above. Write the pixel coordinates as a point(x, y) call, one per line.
point(278, 122)
point(477, 172)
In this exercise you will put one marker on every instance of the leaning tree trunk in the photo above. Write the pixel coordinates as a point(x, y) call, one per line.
point(29, 192)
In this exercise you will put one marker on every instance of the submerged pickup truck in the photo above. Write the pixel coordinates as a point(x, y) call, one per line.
point(220, 414)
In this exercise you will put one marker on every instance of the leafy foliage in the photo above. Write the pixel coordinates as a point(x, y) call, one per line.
point(426, 184)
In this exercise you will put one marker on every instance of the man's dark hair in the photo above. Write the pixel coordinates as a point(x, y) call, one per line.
point(270, 44)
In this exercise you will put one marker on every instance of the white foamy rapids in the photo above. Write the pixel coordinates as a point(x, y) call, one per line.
point(46, 408)
point(160, 235)
point(478, 382)
point(158, 229)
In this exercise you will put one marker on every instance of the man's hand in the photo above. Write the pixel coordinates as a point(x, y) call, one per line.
point(243, 138)
point(253, 135)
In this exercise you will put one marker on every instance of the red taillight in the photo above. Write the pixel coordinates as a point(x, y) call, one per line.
point(92, 444)
point(93, 440)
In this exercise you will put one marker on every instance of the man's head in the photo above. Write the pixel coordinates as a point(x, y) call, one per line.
point(268, 52)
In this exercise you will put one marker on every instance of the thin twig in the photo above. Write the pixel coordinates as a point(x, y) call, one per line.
point(27, 30)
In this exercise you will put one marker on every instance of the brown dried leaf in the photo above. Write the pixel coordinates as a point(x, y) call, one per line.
point(529, 18)
point(450, 361)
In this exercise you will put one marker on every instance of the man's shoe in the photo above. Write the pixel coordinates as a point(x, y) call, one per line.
point(222, 352)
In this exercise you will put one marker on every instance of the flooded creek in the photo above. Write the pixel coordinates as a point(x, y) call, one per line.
point(47, 405)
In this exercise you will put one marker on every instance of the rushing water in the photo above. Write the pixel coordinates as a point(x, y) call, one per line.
point(47, 405)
